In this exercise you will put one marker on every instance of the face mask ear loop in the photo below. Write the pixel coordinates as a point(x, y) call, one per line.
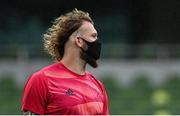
point(81, 47)
point(86, 44)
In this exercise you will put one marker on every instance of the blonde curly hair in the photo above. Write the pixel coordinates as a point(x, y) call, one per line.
point(60, 31)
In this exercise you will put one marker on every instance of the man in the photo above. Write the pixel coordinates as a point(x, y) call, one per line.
point(65, 87)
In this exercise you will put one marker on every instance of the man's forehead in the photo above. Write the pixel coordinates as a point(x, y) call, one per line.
point(88, 27)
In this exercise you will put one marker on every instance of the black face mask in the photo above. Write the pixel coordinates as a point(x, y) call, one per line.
point(94, 49)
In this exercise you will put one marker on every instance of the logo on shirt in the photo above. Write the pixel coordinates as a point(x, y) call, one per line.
point(70, 92)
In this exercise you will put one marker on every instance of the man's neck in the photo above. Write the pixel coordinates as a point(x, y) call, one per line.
point(75, 64)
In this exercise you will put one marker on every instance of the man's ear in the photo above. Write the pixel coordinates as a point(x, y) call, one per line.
point(79, 42)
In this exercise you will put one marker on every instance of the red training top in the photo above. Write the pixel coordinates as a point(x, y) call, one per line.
point(57, 90)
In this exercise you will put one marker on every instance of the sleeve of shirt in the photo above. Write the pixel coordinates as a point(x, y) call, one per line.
point(35, 94)
point(106, 108)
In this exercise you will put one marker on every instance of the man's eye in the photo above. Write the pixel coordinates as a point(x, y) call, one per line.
point(95, 37)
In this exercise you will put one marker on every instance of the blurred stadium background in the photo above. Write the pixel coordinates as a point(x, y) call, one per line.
point(140, 63)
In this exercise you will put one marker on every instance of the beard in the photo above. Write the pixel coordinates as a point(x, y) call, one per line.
point(91, 61)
